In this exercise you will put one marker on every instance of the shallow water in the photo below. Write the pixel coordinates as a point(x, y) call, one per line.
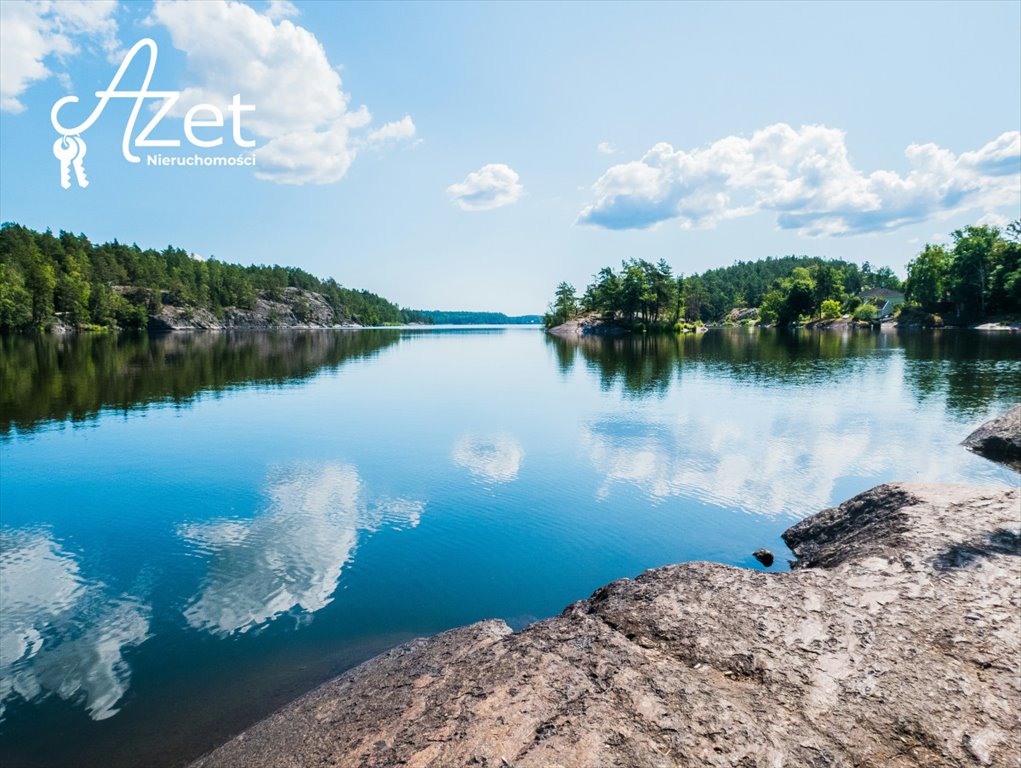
point(196, 528)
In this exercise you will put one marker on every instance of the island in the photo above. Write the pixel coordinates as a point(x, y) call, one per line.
point(976, 282)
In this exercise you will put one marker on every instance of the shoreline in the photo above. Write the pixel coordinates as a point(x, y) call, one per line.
point(261, 328)
point(589, 329)
point(579, 327)
point(702, 663)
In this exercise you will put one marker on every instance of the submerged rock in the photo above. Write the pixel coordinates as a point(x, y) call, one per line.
point(894, 641)
point(999, 439)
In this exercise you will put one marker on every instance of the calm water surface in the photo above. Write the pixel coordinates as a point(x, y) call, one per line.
point(196, 528)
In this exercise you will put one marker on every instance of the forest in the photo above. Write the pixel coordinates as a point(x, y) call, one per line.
point(45, 278)
point(976, 276)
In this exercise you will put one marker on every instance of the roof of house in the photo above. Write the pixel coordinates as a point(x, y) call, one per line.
point(881, 293)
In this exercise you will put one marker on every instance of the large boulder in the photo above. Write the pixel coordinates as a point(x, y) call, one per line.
point(999, 439)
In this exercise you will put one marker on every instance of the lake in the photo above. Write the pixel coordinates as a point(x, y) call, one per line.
point(198, 527)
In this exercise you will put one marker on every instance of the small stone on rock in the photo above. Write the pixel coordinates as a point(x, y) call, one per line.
point(764, 556)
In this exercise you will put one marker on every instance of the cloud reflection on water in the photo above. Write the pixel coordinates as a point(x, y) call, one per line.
point(288, 559)
point(492, 458)
point(743, 455)
point(59, 632)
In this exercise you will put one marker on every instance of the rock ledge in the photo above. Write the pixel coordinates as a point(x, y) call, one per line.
point(587, 325)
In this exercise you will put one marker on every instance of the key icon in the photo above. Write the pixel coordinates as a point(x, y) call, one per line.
point(78, 163)
point(65, 149)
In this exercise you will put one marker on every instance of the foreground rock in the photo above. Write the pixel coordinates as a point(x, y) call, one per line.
point(999, 439)
point(894, 642)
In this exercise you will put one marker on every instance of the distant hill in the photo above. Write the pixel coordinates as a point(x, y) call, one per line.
point(64, 280)
point(441, 317)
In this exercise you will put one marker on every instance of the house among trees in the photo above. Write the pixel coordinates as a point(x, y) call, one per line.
point(884, 299)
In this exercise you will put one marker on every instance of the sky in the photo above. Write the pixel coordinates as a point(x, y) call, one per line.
point(473, 155)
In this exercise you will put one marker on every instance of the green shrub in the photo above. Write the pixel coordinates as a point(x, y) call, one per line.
point(866, 313)
point(830, 309)
point(126, 314)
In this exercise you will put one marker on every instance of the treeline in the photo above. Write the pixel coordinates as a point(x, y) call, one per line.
point(440, 317)
point(45, 278)
point(650, 295)
point(748, 283)
point(977, 277)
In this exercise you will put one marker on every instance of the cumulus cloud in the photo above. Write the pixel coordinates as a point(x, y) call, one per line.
point(806, 179)
point(494, 459)
point(32, 32)
point(60, 633)
point(281, 9)
point(492, 186)
point(605, 148)
point(397, 130)
point(310, 134)
point(289, 558)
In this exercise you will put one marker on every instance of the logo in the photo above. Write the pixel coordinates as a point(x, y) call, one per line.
point(70, 148)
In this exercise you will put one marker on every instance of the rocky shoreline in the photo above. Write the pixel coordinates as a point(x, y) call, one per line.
point(594, 325)
point(587, 325)
point(287, 309)
point(293, 308)
point(895, 640)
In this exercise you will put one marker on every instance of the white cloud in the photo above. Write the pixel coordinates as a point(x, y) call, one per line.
point(302, 113)
point(288, 558)
point(492, 186)
point(398, 130)
point(495, 459)
point(993, 220)
point(281, 9)
point(31, 32)
point(606, 148)
point(805, 177)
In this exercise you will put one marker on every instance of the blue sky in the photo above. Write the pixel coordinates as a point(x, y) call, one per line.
point(505, 147)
